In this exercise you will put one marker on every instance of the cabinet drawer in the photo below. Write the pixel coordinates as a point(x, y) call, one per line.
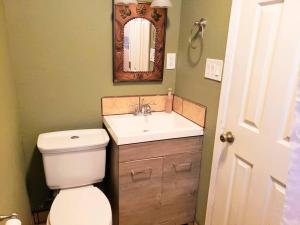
point(140, 191)
point(159, 148)
point(180, 184)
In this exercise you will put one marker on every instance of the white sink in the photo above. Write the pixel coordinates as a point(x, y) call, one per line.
point(129, 129)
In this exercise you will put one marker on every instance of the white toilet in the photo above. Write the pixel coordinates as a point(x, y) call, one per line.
point(73, 162)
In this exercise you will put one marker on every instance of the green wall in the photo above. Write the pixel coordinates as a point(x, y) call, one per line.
point(13, 195)
point(62, 57)
point(190, 82)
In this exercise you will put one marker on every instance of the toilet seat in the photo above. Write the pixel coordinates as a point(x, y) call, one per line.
point(80, 206)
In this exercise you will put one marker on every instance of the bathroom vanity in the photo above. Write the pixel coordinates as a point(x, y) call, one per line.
point(154, 168)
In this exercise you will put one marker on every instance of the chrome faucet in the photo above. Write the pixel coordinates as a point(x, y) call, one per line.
point(142, 109)
point(136, 110)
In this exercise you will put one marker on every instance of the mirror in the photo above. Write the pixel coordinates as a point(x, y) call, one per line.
point(139, 42)
point(139, 45)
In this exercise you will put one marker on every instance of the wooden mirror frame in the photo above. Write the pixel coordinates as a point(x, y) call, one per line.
point(122, 15)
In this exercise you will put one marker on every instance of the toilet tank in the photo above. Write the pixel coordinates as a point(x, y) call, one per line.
point(73, 158)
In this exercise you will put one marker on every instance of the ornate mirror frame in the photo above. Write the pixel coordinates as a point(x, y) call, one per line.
point(122, 15)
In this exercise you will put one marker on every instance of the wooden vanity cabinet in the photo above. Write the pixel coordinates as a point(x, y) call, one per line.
point(155, 183)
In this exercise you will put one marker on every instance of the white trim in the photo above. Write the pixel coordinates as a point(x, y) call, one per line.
point(223, 105)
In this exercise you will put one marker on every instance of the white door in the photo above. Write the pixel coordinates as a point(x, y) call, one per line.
point(248, 179)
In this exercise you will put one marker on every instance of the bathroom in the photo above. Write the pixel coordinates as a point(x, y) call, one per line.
point(56, 65)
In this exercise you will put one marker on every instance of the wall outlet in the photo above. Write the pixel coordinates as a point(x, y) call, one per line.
point(214, 69)
point(171, 61)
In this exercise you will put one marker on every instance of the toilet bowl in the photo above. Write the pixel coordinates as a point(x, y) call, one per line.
point(74, 161)
point(78, 206)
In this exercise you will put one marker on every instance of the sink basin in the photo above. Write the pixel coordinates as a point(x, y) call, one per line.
point(129, 129)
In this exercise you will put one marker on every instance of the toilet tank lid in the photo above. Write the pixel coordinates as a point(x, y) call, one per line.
point(72, 140)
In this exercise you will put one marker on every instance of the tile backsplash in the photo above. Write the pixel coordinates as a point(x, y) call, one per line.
point(194, 112)
point(177, 104)
point(126, 104)
point(190, 110)
point(119, 105)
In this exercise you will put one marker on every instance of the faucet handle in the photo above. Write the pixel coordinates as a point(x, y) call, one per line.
point(146, 109)
point(136, 107)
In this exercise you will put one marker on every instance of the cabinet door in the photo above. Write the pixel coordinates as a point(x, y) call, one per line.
point(180, 187)
point(140, 185)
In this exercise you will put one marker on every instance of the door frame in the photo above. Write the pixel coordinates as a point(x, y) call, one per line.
point(223, 103)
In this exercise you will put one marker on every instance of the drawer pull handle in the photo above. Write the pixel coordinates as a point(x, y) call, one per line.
point(141, 175)
point(183, 167)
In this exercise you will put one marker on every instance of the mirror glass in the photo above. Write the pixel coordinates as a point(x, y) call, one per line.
point(139, 45)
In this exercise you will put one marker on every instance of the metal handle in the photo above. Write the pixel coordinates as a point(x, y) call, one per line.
point(227, 137)
point(136, 108)
point(146, 109)
point(184, 167)
point(7, 217)
point(141, 175)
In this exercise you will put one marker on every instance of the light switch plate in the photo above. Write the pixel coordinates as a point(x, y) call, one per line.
point(171, 61)
point(214, 69)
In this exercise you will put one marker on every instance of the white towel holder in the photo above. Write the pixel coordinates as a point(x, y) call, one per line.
point(199, 27)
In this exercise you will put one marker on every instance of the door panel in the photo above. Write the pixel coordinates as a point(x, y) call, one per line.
point(264, 31)
point(274, 202)
point(240, 189)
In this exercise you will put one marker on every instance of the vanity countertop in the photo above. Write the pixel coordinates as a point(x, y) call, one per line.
point(130, 129)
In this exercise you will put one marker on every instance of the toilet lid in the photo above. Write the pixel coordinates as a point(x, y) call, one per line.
point(80, 206)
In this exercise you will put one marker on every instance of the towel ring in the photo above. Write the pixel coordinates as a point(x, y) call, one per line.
point(199, 27)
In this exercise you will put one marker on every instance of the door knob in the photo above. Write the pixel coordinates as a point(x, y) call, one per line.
point(227, 137)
